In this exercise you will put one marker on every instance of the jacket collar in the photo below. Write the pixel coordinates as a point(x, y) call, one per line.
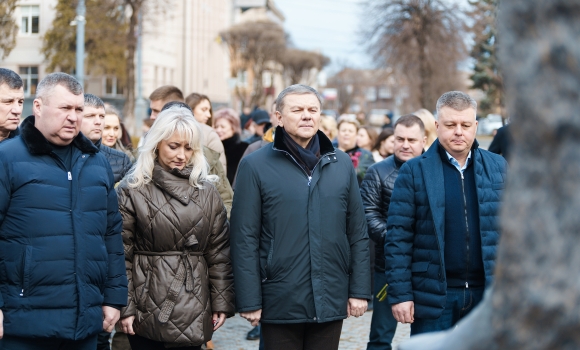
point(38, 144)
point(174, 182)
point(325, 144)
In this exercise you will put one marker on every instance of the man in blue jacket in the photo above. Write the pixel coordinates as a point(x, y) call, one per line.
point(298, 233)
point(443, 223)
point(62, 269)
point(11, 101)
point(92, 128)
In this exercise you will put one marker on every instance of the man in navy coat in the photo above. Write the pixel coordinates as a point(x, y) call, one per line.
point(442, 223)
point(62, 268)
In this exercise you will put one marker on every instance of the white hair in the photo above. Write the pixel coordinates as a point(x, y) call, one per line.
point(178, 120)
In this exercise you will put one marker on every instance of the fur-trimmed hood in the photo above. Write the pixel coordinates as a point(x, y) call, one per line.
point(38, 144)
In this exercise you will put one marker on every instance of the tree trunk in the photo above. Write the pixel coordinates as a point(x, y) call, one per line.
point(535, 302)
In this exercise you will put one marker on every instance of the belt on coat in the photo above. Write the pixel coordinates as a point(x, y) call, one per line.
point(184, 274)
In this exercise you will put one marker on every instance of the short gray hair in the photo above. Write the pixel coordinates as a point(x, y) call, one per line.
point(10, 78)
point(93, 101)
point(296, 89)
point(49, 82)
point(455, 100)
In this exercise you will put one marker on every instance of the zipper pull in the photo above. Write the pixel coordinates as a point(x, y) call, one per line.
point(466, 285)
point(69, 176)
point(309, 179)
point(22, 293)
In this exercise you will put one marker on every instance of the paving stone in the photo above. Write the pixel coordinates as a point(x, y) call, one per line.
point(355, 334)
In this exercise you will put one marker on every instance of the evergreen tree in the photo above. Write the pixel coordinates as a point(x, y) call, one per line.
point(486, 75)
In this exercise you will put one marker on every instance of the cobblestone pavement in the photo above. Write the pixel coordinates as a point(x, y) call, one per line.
point(355, 334)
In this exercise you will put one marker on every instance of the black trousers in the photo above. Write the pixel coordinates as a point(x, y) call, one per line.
point(18, 343)
point(141, 343)
point(302, 336)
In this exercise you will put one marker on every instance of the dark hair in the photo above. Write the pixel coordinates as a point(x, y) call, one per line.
point(385, 134)
point(194, 99)
point(94, 101)
point(166, 93)
point(175, 103)
point(409, 120)
point(372, 133)
point(10, 78)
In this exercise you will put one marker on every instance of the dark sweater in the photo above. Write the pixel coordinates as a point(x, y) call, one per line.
point(463, 260)
point(234, 149)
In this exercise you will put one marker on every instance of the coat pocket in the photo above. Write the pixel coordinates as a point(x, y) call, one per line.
point(26, 271)
point(269, 260)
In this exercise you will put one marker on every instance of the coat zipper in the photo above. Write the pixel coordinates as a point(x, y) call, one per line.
point(466, 228)
point(309, 177)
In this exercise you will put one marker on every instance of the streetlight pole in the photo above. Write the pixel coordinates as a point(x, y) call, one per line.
point(140, 105)
point(80, 53)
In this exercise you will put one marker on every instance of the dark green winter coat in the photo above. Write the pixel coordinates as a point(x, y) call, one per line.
point(299, 244)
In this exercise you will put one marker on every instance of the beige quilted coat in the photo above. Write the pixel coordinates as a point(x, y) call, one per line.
point(177, 255)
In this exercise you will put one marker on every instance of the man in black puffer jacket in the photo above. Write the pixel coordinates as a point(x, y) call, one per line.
point(376, 190)
point(92, 128)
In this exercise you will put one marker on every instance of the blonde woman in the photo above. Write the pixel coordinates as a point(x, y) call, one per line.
point(176, 239)
point(429, 121)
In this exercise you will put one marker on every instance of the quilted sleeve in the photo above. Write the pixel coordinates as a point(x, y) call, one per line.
point(399, 241)
point(116, 285)
point(4, 199)
point(370, 190)
point(127, 211)
point(217, 256)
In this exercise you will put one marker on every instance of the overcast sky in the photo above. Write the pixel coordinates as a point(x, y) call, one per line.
point(328, 26)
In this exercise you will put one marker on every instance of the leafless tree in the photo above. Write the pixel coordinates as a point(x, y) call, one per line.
point(254, 47)
point(421, 39)
point(298, 65)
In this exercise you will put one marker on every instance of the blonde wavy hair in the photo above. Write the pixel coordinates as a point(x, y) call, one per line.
point(178, 120)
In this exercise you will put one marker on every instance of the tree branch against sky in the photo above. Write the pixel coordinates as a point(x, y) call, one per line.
point(255, 47)
point(8, 27)
point(420, 39)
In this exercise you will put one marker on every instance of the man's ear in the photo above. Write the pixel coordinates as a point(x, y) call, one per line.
point(36, 106)
point(279, 117)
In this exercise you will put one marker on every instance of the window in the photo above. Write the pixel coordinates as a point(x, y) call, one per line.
point(29, 77)
point(29, 19)
point(113, 87)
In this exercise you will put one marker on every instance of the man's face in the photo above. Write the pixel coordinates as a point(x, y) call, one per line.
point(93, 122)
point(156, 107)
point(300, 117)
point(59, 115)
point(456, 130)
point(409, 142)
point(11, 101)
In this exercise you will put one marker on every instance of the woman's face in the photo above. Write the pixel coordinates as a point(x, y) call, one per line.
point(223, 128)
point(174, 152)
point(363, 140)
point(388, 145)
point(201, 112)
point(112, 130)
point(346, 136)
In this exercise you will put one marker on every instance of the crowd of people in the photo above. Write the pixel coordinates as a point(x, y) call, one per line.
point(293, 219)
